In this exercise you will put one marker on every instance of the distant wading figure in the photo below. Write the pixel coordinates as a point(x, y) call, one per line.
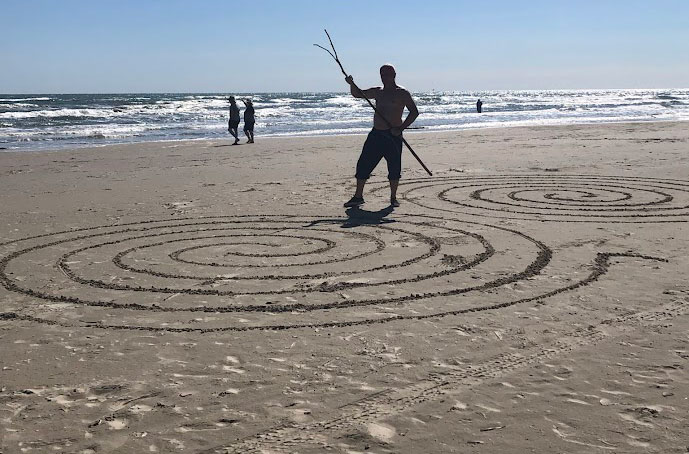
point(478, 106)
point(385, 139)
point(249, 120)
point(233, 124)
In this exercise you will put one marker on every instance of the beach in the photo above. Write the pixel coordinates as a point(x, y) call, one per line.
point(192, 296)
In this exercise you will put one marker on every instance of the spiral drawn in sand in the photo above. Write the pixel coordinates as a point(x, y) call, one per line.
point(554, 197)
point(277, 272)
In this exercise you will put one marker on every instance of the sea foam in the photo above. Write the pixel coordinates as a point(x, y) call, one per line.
point(60, 121)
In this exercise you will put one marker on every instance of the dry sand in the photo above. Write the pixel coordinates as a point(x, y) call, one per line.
point(197, 297)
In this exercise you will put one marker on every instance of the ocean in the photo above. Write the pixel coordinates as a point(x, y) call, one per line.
point(40, 122)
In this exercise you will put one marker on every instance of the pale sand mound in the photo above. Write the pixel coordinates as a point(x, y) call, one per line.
point(192, 297)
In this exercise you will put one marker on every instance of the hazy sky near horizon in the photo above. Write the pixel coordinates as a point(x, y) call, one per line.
point(114, 46)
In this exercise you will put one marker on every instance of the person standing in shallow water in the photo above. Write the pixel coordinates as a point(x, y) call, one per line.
point(249, 120)
point(479, 105)
point(385, 139)
point(233, 124)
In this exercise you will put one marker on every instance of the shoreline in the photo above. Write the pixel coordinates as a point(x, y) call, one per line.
point(183, 142)
point(77, 121)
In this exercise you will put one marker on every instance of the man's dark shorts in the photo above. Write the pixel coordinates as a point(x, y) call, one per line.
point(379, 144)
point(249, 126)
point(234, 124)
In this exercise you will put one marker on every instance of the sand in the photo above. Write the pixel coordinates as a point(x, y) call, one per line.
point(195, 297)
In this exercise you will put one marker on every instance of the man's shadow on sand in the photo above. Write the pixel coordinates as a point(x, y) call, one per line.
point(357, 217)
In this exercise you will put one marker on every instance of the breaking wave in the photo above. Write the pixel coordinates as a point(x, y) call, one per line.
point(62, 121)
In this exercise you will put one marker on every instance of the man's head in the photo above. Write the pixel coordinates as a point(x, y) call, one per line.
point(387, 74)
point(232, 99)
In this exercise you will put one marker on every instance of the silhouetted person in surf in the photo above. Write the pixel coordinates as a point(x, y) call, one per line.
point(249, 120)
point(233, 124)
point(385, 139)
point(478, 106)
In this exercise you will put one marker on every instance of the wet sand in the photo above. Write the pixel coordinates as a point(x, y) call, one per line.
point(199, 297)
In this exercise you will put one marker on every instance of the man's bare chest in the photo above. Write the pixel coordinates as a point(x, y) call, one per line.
point(389, 100)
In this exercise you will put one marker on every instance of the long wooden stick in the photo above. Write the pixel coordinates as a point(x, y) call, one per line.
point(337, 60)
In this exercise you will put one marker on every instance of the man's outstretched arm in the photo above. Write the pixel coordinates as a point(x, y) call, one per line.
point(369, 93)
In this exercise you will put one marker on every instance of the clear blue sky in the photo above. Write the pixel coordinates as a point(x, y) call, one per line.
point(104, 46)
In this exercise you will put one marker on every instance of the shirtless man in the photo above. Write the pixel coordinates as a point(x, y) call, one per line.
point(385, 139)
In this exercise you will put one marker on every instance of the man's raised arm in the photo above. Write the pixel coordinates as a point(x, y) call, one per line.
point(369, 93)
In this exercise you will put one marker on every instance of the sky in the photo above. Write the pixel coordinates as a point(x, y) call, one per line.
point(202, 46)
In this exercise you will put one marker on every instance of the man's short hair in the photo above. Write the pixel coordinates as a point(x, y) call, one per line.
point(388, 67)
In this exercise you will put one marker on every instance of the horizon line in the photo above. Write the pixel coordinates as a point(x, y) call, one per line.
point(324, 91)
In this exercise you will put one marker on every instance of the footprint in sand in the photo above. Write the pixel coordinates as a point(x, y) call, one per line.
point(382, 432)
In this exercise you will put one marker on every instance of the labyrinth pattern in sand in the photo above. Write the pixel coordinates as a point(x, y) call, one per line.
point(553, 197)
point(273, 272)
point(242, 273)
